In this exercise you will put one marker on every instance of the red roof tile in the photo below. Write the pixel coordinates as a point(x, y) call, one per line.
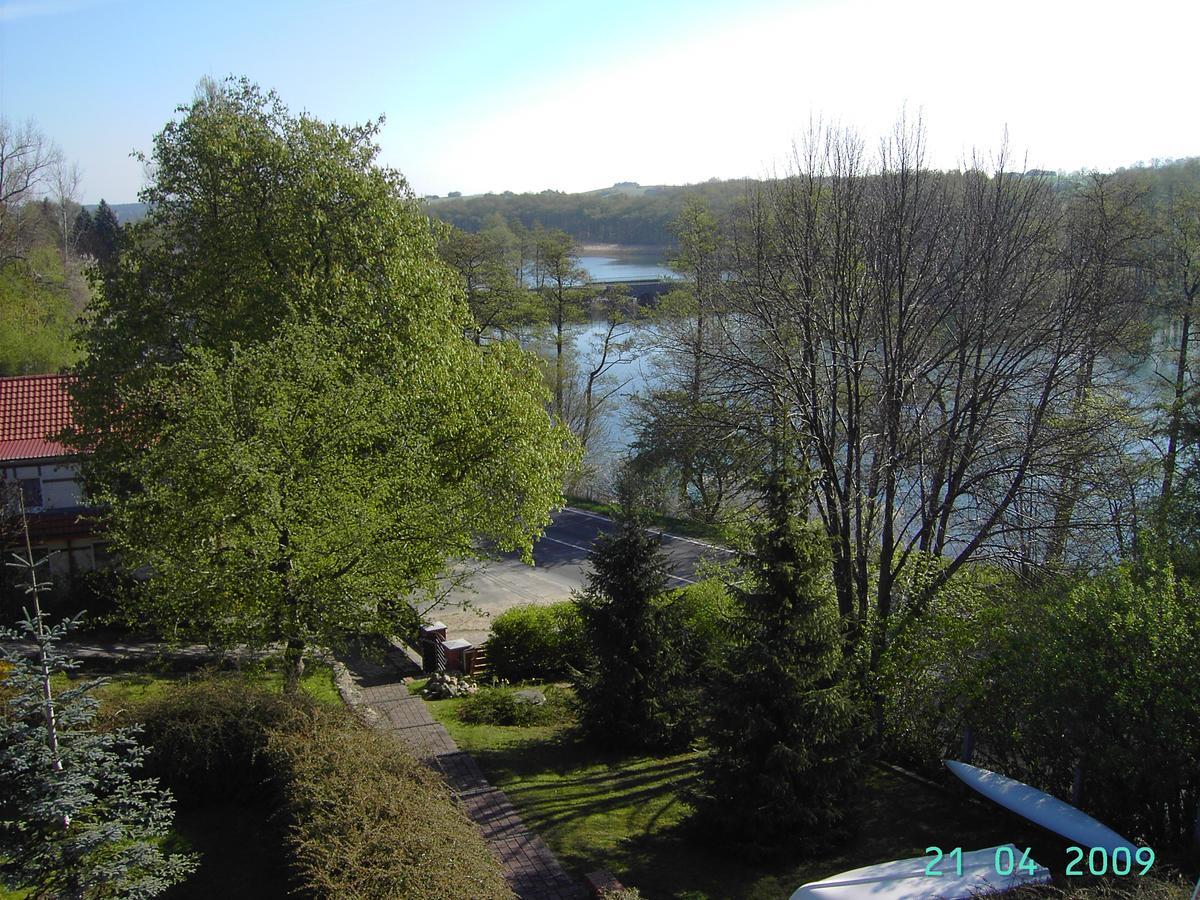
point(32, 408)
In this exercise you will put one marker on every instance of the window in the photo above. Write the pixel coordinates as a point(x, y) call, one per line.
point(31, 492)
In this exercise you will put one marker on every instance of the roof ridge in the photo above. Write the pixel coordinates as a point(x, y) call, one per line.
point(59, 376)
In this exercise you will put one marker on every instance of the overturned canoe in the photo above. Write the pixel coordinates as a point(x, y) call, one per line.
point(1040, 808)
point(909, 879)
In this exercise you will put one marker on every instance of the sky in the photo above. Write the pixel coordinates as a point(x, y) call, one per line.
point(525, 96)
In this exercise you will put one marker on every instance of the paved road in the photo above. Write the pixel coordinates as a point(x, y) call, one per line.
point(560, 561)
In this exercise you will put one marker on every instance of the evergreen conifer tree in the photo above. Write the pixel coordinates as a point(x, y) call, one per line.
point(74, 821)
point(632, 690)
point(105, 236)
point(784, 729)
point(84, 232)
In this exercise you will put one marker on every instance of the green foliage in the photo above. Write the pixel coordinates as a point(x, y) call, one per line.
point(635, 689)
point(37, 315)
point(501, 706)
point(279, 402)
point(703, 617)
point(74, 819)
point(370, 820)
point(934, 675)
point(1103, 678)
point(490, 265)
point(103, 236)
point(621, 214)
point(785, 728)
point(1093, 679)
point(535, 642)
point(208, 737)
point(365, 818)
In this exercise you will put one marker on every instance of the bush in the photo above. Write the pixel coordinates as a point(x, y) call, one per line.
point(935, 673)
point(501, 706)
point(366, 818)
point(1094, 680)
point(704, 616)
point(535, 642)
point(208, 737)
point(370, 820)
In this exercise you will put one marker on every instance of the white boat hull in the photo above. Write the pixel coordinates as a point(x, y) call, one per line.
point(906, 879)
point(1040, 808)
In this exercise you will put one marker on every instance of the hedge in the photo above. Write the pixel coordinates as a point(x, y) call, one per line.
point(535, 642)
point(365, 819)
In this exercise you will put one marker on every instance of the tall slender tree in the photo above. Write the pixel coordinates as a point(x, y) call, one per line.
point(560, 281)
point(784, 726)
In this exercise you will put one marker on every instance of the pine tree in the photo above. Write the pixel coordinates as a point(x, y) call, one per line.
point(633, 691)
point(784, 729)
point(74, 821)
point(84, 232)
point(105, 236)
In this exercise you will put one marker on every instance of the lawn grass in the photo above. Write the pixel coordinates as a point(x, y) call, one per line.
point(126, 689)
point(628, 814)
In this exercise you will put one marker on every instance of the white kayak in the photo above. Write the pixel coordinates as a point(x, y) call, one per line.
point(909, 879)
point(1040, 808)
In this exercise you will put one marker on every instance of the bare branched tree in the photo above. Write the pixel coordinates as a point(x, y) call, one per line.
point(906, 323)
point(64, 180)
point(27, 160)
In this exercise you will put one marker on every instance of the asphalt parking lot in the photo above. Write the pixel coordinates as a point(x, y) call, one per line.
point(560, 563)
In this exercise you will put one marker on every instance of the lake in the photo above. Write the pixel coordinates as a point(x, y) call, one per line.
point(614, 262)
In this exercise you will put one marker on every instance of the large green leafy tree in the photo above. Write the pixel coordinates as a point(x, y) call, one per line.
point(499, 303)
point(279, 404)
point(784, 730)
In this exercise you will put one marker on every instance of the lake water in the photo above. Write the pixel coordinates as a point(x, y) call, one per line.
point(610, 262)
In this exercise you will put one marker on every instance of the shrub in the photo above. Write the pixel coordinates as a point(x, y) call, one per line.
point(535, 642)
point(208, 737)
point(366, 818)
point(371, 821)
point(703, 615)
point(501, 706)
point(1093, 680)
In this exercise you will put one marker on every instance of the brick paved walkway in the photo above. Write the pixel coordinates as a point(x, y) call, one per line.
point(530, 867)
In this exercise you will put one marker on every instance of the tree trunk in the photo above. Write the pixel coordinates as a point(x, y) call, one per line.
point(1177, 404)
point(293, 666)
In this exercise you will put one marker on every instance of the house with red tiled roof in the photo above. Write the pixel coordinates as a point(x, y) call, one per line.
point(35, 466)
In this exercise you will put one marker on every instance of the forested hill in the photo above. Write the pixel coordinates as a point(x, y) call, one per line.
point(625, 213)
point(629, 213)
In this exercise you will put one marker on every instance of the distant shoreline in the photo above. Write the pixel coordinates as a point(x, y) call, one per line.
point(640, 249)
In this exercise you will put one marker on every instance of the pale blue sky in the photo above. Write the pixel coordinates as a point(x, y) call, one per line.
point(531, 95)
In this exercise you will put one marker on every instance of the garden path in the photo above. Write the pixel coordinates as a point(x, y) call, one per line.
point(530, 867)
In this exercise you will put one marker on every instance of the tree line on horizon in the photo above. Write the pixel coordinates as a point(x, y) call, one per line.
point(633, 214)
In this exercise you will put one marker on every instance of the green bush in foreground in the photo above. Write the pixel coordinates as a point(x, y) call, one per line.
point(502, 706)
point(208, 737)
point(370, 820)
point(365, 818)
point(535, 642)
